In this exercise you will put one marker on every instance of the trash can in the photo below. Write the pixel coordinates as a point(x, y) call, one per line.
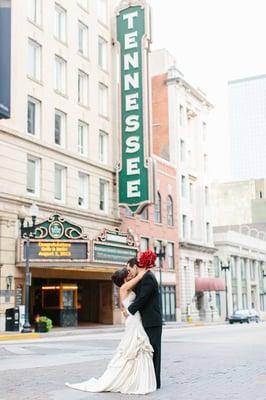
point(12, 319)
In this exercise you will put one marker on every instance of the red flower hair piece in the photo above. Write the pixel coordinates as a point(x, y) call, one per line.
point(147, 259)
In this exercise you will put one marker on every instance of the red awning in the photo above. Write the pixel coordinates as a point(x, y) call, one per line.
point(209, 284)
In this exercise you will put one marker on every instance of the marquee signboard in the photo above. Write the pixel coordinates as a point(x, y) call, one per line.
point(52, 250)
point(114, 247)
point(133, 31)
point(58, 239)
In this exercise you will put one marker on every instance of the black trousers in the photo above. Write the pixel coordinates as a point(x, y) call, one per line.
point(155, 336)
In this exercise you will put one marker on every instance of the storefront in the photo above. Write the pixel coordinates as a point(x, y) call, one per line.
point(71, 275)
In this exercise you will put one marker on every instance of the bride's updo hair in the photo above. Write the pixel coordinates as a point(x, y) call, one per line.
point(119, 276)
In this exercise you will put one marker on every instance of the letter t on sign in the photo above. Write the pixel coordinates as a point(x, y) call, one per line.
point(129, 17)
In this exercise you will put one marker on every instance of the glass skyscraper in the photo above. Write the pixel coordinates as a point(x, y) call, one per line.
point(247, 124)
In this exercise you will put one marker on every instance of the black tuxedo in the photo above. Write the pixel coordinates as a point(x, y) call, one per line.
point(147, 302)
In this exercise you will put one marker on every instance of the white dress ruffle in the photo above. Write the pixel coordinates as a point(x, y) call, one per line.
point(131, 369)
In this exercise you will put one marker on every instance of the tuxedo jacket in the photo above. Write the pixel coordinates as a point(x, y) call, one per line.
point(147, 301)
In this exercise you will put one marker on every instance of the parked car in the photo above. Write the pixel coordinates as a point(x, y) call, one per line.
point(244, 316)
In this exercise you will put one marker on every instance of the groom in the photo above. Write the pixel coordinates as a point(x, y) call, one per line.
point(147, 302)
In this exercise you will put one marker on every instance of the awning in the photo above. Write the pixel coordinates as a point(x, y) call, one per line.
point(209, 284)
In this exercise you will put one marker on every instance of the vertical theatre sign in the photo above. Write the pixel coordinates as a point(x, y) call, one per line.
point(5, 57)
point(133, 36)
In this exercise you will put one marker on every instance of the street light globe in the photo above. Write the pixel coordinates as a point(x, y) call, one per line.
point(22, 213)
point(164, 243)
point(224, 259)
point(34, 210)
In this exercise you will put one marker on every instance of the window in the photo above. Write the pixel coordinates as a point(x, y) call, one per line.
point(244, 301)
point(145, 214)
point(60, 23)
point(235, 303)
point(182, 150)
point(158, 209)
point(233, 267)
point(60, 75)
point(170, 211)
point(83, 195)
point(144, 244)
point(102, 53)
point(208, 233)
point(181, 115)
point(128, 213)
point(104, 187)
point(34, 11)
point(103, 146)
point(33, 175)
point(83, 39)
point(206, 196)
point(158, 248)
point(103, 100)
point(59, 182)
point(243, 269)
point(34, 112)
point(59, 127)
point(252, 269)
point(191, 192)
point(184, 226)
point(217, 267)
point(170, 255)
point(102, 10)
point(83, 83)
point(83, 4)
point(34, 60)
point(191, 229)
point(83, 138)
point(183, 186)
point(205, 161)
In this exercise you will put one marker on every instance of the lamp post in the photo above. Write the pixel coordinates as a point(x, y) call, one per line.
point(225, 266)
point(27, 232)
point(160, 251)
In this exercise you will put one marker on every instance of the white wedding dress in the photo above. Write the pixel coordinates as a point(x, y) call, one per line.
point(131, 369)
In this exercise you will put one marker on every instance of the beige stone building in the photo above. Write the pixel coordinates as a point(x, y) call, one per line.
point(57, 150)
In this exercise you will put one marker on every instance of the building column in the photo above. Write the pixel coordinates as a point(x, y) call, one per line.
point(239, 283)
point(248, 283)
point(229, 292)
point(257, 280)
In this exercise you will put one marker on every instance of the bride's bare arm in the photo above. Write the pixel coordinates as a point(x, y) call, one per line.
point(127, 286)
point(130, 284)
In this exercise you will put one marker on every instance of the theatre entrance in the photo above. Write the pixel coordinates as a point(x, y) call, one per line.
point(72, 302)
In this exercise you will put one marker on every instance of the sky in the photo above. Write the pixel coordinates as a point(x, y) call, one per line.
point(213, 41)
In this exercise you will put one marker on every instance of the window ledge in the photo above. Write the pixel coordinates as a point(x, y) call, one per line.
point(61, 93)
point(39, 82)
point(35, 24)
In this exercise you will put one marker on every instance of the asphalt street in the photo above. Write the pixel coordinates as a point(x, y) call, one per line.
point(198, 363)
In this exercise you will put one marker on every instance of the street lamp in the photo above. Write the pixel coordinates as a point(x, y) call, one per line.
point(159, 249)
point(225, 266)
point(27, 232)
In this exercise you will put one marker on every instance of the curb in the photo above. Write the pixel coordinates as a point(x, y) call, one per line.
point(20, 336)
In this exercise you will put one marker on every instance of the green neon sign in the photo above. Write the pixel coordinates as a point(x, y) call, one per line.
point(134, 191)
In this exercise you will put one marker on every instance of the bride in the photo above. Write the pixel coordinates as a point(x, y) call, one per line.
point(131, 369)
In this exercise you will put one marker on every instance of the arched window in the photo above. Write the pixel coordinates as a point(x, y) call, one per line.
point(170, 211)
point(158, 209)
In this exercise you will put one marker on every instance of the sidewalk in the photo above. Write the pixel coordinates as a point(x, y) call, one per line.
point(94, 329)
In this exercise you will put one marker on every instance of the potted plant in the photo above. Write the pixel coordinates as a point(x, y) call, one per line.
point(43, 324)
